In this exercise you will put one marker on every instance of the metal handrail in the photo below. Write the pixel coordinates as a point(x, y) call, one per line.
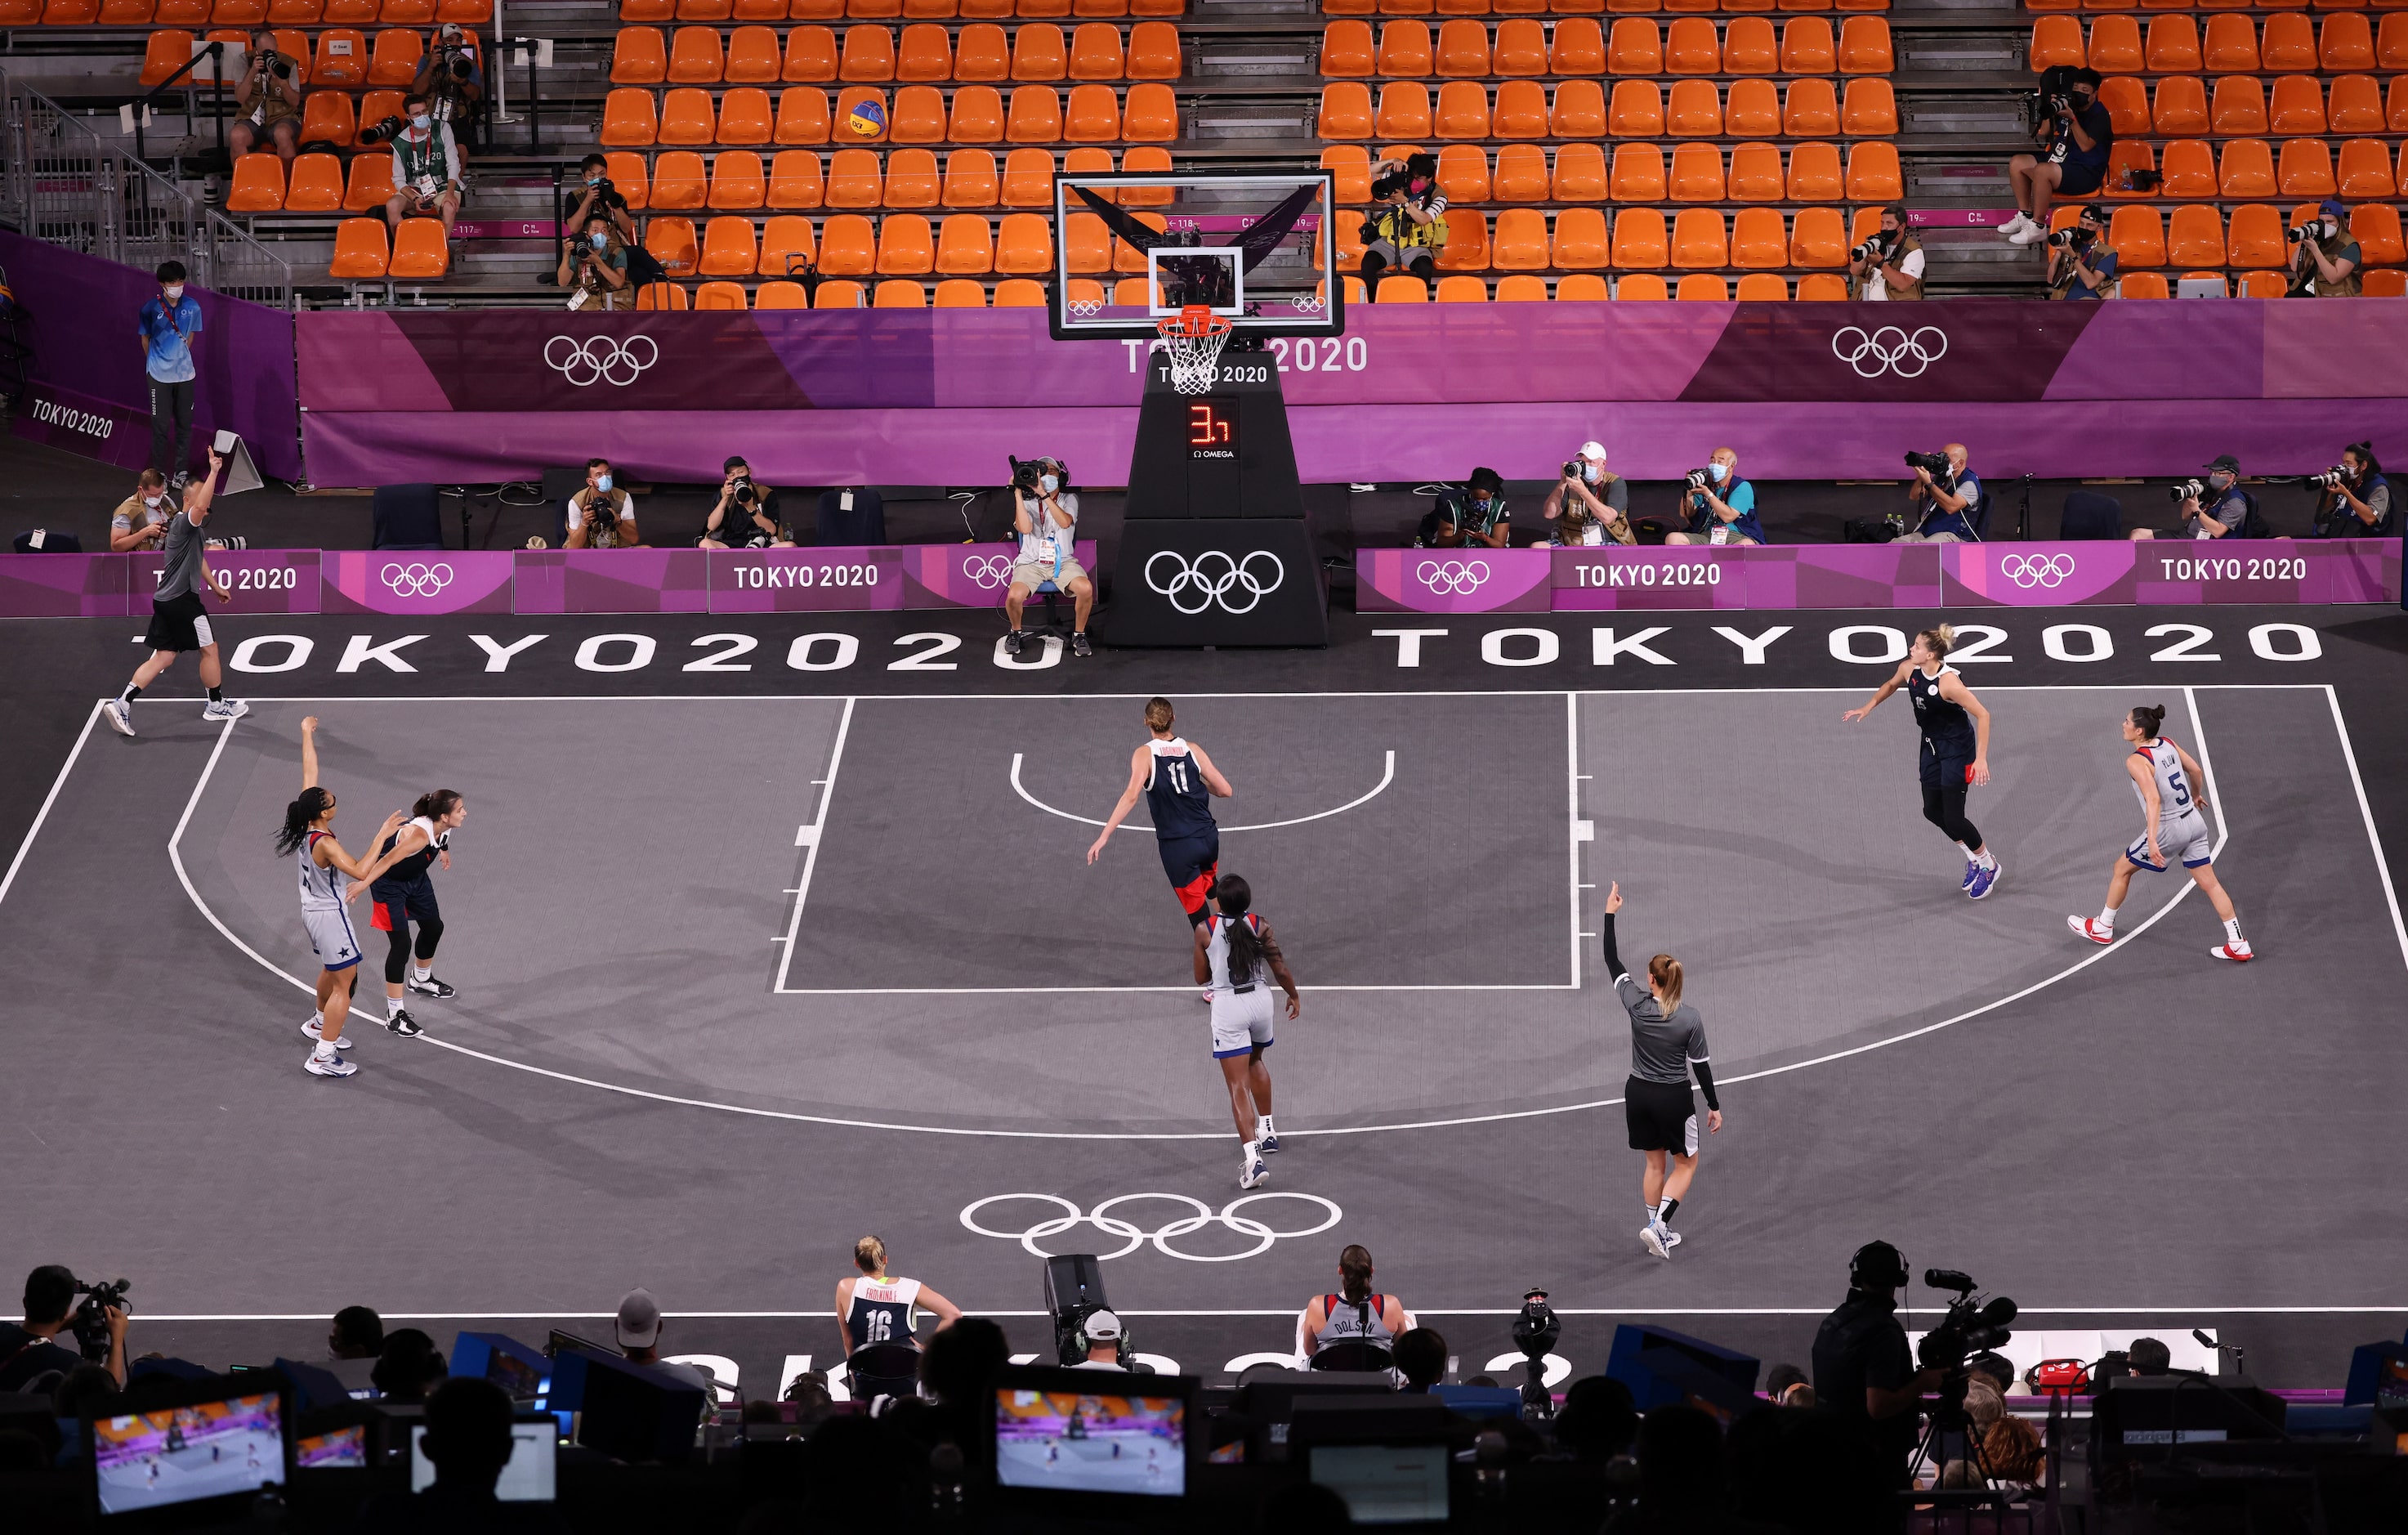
point(215, 52)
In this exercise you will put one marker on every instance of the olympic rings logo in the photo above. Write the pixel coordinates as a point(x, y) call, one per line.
point(1889, 350)
point(415, 580)
point(2030, 571)
point(1132, 1238)
point(987, 572)
point(600, 358)
point(1197, 582)
point(1453, 577)
point(1084, 308)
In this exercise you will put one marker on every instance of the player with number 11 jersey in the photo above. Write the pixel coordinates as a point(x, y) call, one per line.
point(1177, 782)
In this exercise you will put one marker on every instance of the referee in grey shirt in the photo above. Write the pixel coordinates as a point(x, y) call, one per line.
point(1668, 1041)
point(179, 619)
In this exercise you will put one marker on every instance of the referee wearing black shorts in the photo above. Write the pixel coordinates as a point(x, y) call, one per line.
point(1668, 1041)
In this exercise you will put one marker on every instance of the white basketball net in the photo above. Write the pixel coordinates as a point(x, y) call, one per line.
point(1195, 352)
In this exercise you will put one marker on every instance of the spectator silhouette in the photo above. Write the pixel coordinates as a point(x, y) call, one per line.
point(1682, 1489)
point(1810, 1471)
point(409, 1365)
point(1597, 1421)
point(467, 1437)
point(1420, 1356)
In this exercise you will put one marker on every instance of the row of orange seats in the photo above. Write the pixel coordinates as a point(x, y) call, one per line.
point(2181, 107)
point(736, 181)
point(2250, 169)
point(921, 115)
point(2292, 45)
point(1022, 293)
point(888, 11)
point(1036, 54)
point(244, 13)
point(344, 56)
point(1638, 175)
point(1575, 239)
point(1588, 287)
point(2195, 235)
point(1579, 47)
point(417, 252)
point(2213, 5)
point(1580, 7)
point(1580, 110)
point(316, 185)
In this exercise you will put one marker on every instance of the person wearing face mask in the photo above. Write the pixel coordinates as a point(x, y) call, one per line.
point(268, 96)
point(1890, 265)
point(1590, 504)
point(2075, 135)
point(141, 521)
point(2360, 503)
point(452, 80)
point(169, 327)
point(1407, 228)
point(594, 268)
point(1721, 507)
point(425, 168)
point(1475, 517)
point(2084, 265)
point(2222, 509)
point(1945, 509)
point(602, 515)
point(2325, 260)
point(1046, 517)
point(599, 194)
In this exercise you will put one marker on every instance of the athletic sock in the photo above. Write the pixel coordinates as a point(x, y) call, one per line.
point(393, 1005)
point(423, 973)
point(217, 695)
point(1263, 1130)
point(1664, 1214)
point(130, 694)
point(1985, 859)
point(1971, 856)
point(2232, 932)
point(1651, 1212)
point(2107, 915)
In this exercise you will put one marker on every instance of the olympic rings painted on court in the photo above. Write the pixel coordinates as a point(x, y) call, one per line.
point(414, 580)
point(987, 572)
point(1132, 1238)
point(600, 358)
point(2043, 570)
point(1453, 577)
point(1192, 577)
point(1890, 355)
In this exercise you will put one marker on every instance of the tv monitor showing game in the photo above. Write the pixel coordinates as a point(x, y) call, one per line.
point(337, 1449)
point(528, 1478)
point(1386, 1484)
point(1083, 1433)
point(216, 1445)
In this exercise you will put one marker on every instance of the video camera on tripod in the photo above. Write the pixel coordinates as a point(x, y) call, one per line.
point(1968, 1327)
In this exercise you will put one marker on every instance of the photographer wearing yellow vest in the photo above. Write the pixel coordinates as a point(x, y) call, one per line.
point(1889, 264)
point(1407, 225)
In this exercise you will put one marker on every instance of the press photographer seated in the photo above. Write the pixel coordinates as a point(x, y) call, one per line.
point(1406, 228)
point(1589, 505)
point(2324, 256)
point(2080, 262)
point(2355, 500)
point(1045, 515)
point(1474, 517)
point(600, 194)
point(2075, 135)
point(1890, 264)
point(601, 516)
point(268, 98)
point(2213, 508)
point(1719, 505)
point(593, 267)
point(1946, 496)
point(451, 83)
point(746, 515)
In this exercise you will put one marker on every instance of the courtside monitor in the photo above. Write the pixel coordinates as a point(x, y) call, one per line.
point(1131, 250)
point(531, 1474)
point(1067, 1439)
point(220, 1443)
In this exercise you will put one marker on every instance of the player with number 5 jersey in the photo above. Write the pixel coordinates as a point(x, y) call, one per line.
point(1177, 782)
point(2172, 790)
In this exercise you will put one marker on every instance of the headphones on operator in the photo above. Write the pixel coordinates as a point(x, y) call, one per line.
point(1877, 1265)
point(1078, 1332)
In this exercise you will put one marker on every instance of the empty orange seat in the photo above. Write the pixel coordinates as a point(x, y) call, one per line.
point(1086, 244)
point(2115, 45)
point(848, 246)
point(1749, 47)
point(1870, 109)
point(2246, 169)
point(359, 249)
point(1761, 288)
point(1864, 46)
point(1091, 162)
point(685, 117)
point(1035, 116)
point(2391, 43)
point(2256, 237)
point(926, 53)
point(1126, 257)
point(1019, 293)
point(628, 118)
point(1814, 173)
point(844, 294)
point(2386, 284)
point(1638, 110)
point(2299, 105)
point(1028, 178)
point(1350, 174)
point(2145, 285)
point(1706, 287)
point(1580, 174)
point(1645, 286)
point(1462, 290)
point(2194, 239)
point(678, 181)
point(1755, 174)
point(1753, 109)
point(1698, 240)
point(641, 57)
point(1758, 240)
point(1692, 48)
point(1577, 288)
point(802, 115)
point(1345, 111)
point(1697, 174)
point(1462, 173)
point(370, 185)
point(694, 56)
point(1818, 237)
point(1521, 49)
point(1149, 114)
point(1634, 47)
point(1038, 53)
point(744, 115)
point(970, 179)
point(2306, 169)
point(1578, 47)
point(1696, 110)
point(2055, 41)
point(2232, 45)
point(258, 184)
point(2376, 226)
point(326, 118)
point(1521, 288)
point(1873, 174)
point(2139, 237)
point(966, 246)
point(1807, 49)
point(1639, 240)
point(855, 178)
point(752, 56)
point(342, 57)
point(954, 292)
point(660, 296)
point(795, 179)
point(1154, 51)
point(1467, 243)
point(2174, 45)
point(1023, 243)
point(1094, 115)
point(1462, 51)
point(167, 51)
point(728, 247)
point(907, 245)
point(395, 58)
point(869, 54)
point(1401, 289)
point(2188, 167)
point(2180, 106)
point(1404, 110)
point(1519, 243)
point(785, 244)
point(317, 185)
point(420, 250)
point(2365, 170)
point(1638, 174)
point(982, 53)
point(1096, 53)
point(719, 295)
point(1811, 109)
point(2356, 106)
point(1405, 49)
point(2127, 101)
point(1580, 240)
point(2289, 44)
point(1463, 110)
point(1578, 113)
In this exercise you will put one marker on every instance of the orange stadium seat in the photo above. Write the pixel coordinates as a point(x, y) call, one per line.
point(419, 249)
point(283, 13)
point(704, 10)
point(1704, 287)
point(1640, 244)
point(1086, 244)
point(848, 246)
point(1020, 292)
point(1466, 246)
point(1350, 173)
point(1345, 111)
point(2365, 170)
point(1869, 109)
point(983, 51)
point(802, 115)
point(694, 56)
point(781, 295)
point(660, 296)
point(1154, 51)
point(2127, 101)
point(1696, 110)
point(868, 55)
point(371, 183)
point(326, 118)
point(1636, 111)
point(728, 247)
point(1521, 49)
point(744, 114)
point(1038, 53)
point(2115, 45)
point(1404, 110)
point(1638, 173)
point(2055, 40)
point(1760, 242)
point(1091, 162)
point(1697, 174)
point(359, 249)
point(1462, 51)
point(926, 53)
point(1814, 173)
point(2356, 106)
point(907, 245)
point(2289, 44)
point(2180, 106)
point(1865, 47)
point(1521, 288)
point(1818, 237)
point(1149, 114)
point(685, 117)
point(1578, 110)
point(919, 116)
point(1647, 286)
point(2128, 156)
point(1578, 47)
point(2232, 45)
point(1692, 48)
point(855, 178)
point(1463, 173)
point(912, 179)
point(317, 185)
point(1634, 47)
point(1753, 109)
point(2174, 45)
point(2139, 237)
point(1401, 289)
point(2142, 286)
point(843, 293)
point(2306, 169)
point(165, 53)
point(1519, 243)
point(1462, 290)
point(1580, 243)
point(1750, 47)
point(1580, 174)
point(719, 295)
point(2239, 106)
point(1811, 109)
point(258, 184)
point(1126, 257)
point(2391, 43)
point(1761, 287)
point(2188, 167)
point(752, 56)
point(1698, 240)
point(640, 57)
point(678, 181)
point(1096, 53)
point(960, 293)
point(2245, 169)
point(1806, 46)
point(342, 58)
point(2195, 237)
point(1755, 174)
point(395, 57)
point(978, 115)
point(1874, 173)
point(628, 173)
point(1094, 115)
point(966, 246)
point(2376, 226)
point(2386, 284)
point(795, 180)
point(1035, 117)
point(628, 118)
point(1405, 49)
point(785, 244)
point(810, 56)
point(1576, 288)
point(1028, 178)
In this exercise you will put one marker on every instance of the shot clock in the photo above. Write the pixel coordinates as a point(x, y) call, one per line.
point(1211, 430)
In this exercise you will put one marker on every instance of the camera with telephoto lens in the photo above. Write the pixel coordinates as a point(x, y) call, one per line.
point(2306, 231)
point(1936, 464)
point(233, 543)
point(1389, 185)
point(1872, 250)
point(383, 132)
point(91, 1320)
point(2187, 489)
point(1969, 1327)
point(455, 60)
point(1024, 476)
point(2072, 238)
point(1699, 479)
point(1575, 469)
point(269, 60)
point(2331, 477)
point(740, 489)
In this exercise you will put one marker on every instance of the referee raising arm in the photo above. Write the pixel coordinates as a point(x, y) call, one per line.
point(1667, 1040)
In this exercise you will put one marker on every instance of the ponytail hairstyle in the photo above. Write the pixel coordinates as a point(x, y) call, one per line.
point(1666, 972)
point(2149, 720)
point(1938, 641)
point(1246, 957)
point(297, 816)
point(1158, 715)
point(1355, 1274)
point(436, 803)
point(869, 1255)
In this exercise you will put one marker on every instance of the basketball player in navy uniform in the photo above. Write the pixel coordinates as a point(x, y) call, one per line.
point(1955, 754)
point(873, 1307)
point(1236, 960)
point(1177, 782)
point(405, 894)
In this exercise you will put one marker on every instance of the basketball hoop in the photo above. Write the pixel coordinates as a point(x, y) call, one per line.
point(1194, 339)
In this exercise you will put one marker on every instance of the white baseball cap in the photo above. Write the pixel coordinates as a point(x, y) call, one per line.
point(1593, 450)
point(1102, 1327)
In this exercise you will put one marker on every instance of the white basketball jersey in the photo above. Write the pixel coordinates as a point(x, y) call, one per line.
point(2174, 799)
point(1216, 953)
point(322, 889)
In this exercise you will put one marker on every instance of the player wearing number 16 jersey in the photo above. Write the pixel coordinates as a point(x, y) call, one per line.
point(2170, 789)
point(1176, 780)
point(873, 1307)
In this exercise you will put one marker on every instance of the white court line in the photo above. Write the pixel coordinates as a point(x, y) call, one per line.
point(1289, 1311)
point(51, 799)
point(1579, 831)
point(1363, 1129)
point(1387, 774)
point(2366, 815)
point(811, 859)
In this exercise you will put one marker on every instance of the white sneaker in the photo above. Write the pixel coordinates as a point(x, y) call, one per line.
point(1254, 1173)
point(225, 709)
point(328, 1066)
point(2016, 226)
point(121, 719)
point(1651, 1236)
point(2031, 233)
point(310, 1030)
point(2091, 928)
point(2239, 954)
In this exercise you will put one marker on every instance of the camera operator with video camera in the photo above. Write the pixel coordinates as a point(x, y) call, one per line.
point(1889, 264)
point(2356, 502)
point(453, 81)
point(1946, 495)
point(2081, 263)
point(1407, 229)
point(746, 516)
point(30, 1350)
point(268, 96)
point(2213, 508)
point(593, 267)
point(2324, 256)
point(1045, 514)
point(425, 167)
point(1589, 503)
point(1864, 1373)
point(1719, 505)
point(2076, 135)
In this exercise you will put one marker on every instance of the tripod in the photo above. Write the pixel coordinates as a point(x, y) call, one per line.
point(1950, 1423)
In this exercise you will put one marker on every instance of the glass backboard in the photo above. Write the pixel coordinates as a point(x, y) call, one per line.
point(1131, 249)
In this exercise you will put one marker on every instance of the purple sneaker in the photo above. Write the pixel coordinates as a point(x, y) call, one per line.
point(1970, 869)
point(1984, 877)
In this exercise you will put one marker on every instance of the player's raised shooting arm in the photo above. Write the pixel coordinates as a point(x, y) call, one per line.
point(1212, 778)
point(309, 752)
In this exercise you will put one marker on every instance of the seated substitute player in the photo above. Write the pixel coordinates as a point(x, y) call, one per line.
point(874, 1306)
point(1045, 514)
point(1236, 957)
point(1176, 778)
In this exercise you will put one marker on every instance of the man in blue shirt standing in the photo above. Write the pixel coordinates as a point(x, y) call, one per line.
point(169, 327)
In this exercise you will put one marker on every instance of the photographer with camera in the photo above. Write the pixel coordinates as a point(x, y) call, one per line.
point(2325, 255)
point(1946, 495)
point(1045, 514)
point(1889, 264)
point(30, 1350)
point(602, 515)
point(2080, 262)
point(141, 521)
point(1473, 516)
point(1410, 225)
point(746, 516)
point(1719, 505)
point(1589, 503)
point(594, 268)
point(452, 80)
point(2076, 135)
point(1864, 1373)
point(425, 167)
point(2356, 502)
point(2213, 508)
point(268, 98)
point(599, 194)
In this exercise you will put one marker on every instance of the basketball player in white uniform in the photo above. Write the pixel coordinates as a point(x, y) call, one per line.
point(873, 1307)
point(325, 868)
point(1236, 957)
point(2171, 789)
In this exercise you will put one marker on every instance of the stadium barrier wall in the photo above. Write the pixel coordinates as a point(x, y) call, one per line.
point(555, 580)
point(1411, 391)
point(85, 387)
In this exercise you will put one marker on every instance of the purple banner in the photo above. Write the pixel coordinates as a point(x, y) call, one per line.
point(2039, 575)
point(1612, 578)
point(1843, 576)
point(1453, 581)
point(612, 580)
point(261, 581)
point(1801, 391)
point(805, 581)
point(87, 391)
point(62, 585)
point(414, 581)
point(967, 575)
